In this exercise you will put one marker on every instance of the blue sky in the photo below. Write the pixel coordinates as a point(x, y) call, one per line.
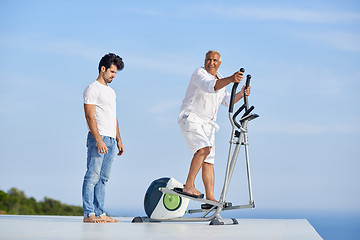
point(303, 56)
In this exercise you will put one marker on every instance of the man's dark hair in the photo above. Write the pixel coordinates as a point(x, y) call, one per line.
point(109, 59)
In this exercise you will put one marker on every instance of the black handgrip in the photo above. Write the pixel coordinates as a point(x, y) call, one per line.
point(232, 98)
point(233, 93)
point(248, 77)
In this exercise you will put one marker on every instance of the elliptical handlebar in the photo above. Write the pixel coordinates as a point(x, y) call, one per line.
point(248, 77)
point(233, 92)
point(245, 105)
point(232, 98)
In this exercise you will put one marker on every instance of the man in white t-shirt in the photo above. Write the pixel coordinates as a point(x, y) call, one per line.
point(103, 138)
point(197, 120)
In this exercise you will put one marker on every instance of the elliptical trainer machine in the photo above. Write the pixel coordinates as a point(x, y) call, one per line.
point(163, 204)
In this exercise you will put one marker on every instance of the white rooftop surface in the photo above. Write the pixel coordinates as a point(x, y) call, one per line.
point(65, 227)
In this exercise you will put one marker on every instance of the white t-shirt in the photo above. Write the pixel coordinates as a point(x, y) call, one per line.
point(104, 98)
point(201, 99)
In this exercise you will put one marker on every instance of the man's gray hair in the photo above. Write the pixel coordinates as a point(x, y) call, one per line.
point(213, 51)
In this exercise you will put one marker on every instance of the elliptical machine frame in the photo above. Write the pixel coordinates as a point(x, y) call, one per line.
point(238, 138)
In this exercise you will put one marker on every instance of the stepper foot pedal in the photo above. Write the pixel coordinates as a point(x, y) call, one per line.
point(228, 204)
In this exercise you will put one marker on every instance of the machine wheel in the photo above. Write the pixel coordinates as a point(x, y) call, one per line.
point(172, 202)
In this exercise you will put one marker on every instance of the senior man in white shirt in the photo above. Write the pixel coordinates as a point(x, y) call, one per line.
point(197, 119)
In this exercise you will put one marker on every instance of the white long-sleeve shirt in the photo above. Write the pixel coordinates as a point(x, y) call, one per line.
point(201, 99)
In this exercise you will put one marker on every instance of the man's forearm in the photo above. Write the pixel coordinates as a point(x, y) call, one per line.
point(93, 128)
point(118, 138)
point(220, 83)
point(238, 96)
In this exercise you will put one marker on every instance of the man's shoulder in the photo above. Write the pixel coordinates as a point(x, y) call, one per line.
point(92, 89)
point(92, 85)
point(200, 70)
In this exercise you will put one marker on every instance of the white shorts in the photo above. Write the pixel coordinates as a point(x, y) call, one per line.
point(198, 135)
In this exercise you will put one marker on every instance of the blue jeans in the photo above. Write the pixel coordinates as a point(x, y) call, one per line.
point(97, 175)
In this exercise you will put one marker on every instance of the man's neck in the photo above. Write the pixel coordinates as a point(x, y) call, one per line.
point(101, 80)
point(215, 75)
point(211, 72)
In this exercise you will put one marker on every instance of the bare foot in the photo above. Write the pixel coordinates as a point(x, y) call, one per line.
point(211, 199)
point(108, 219)
point(93, 219)
point(191, 190)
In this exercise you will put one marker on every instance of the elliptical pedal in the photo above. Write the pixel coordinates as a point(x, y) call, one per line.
point(209, 206)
